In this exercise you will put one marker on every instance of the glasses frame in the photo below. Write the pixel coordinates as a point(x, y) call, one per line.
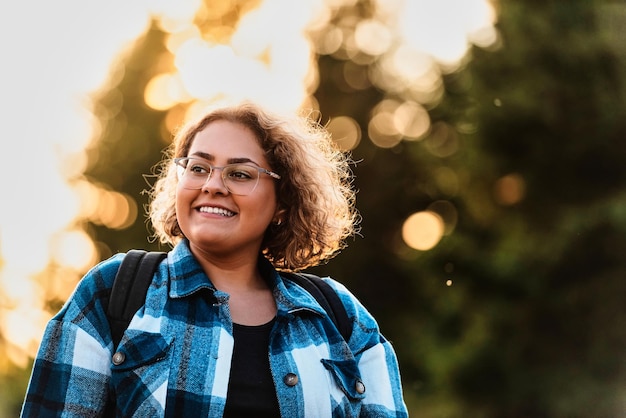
point(181, 160)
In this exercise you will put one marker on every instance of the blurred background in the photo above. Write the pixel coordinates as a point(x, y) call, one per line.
point(491, 140)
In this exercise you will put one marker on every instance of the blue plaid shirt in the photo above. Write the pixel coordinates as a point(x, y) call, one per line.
point(176, 353)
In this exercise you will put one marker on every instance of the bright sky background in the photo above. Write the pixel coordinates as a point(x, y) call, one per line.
point(56, 52)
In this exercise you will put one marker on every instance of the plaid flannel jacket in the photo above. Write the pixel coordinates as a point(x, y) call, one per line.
point(174, 358)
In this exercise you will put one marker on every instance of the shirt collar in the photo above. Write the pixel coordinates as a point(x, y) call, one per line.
point(188, 277)
point(186, 274)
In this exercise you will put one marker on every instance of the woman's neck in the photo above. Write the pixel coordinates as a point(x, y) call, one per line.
point(251, 301)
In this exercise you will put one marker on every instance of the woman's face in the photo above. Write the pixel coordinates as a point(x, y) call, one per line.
point(215, 221)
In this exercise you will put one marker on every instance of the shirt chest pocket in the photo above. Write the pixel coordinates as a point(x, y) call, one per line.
point(139, 373)
point(346, 375)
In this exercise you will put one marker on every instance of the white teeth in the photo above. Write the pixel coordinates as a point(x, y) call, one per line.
point(217, 211)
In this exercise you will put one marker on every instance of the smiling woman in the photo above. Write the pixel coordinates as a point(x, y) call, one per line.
point(224, 330)
point(312, 164)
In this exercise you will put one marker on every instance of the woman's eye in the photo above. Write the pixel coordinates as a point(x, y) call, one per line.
point(197, 169)
point(240, 174)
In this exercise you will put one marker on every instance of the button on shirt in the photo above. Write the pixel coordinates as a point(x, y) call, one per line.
point(174, 358)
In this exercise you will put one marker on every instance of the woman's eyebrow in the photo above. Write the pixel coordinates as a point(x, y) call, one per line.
point(236, 160)
point(241, 160)
point(203, 155)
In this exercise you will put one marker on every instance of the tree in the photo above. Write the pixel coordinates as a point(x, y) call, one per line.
point(532, 324)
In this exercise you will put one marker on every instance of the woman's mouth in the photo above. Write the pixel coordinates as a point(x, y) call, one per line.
point(216, 211)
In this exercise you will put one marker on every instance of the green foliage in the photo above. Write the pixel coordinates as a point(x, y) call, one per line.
point(533, 322)
point(13, 381)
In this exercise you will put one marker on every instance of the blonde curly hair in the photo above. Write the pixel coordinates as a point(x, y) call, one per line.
point(315, 190)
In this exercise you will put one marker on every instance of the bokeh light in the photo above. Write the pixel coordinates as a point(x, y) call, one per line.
point(510, 189)
point(345, 131)
point(423, 230)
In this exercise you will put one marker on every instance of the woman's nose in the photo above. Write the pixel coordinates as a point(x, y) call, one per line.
point(214, 183)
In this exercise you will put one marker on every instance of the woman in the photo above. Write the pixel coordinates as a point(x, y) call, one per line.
point(245, 195)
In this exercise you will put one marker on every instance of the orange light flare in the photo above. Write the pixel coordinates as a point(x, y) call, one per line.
point(509, 189)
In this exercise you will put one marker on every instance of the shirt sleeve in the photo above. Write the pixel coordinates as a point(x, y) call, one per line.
point(376, 359)
point(71, 372)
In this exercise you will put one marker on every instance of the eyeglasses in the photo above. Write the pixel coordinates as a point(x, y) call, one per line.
point(239, 179)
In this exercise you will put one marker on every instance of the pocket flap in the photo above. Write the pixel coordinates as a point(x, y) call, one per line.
point(140, 350)
point(347, 376)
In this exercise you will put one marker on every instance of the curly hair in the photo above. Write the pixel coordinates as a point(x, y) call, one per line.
point(315, 192)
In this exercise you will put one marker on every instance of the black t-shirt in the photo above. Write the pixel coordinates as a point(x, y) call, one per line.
point(251, 391)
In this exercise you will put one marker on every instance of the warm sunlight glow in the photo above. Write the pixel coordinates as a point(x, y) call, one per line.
point(165, 91)
point(253, 63)
point(58, 54)
point(116, 210)
point(373, 37)
point(23, 326)
point(74, 249)
point(411, 120)
point(443, 28)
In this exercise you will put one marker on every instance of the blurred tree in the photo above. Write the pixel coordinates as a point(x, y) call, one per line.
point(533, 322)
point(131, 141)
point(13, 381)
point(543, 273)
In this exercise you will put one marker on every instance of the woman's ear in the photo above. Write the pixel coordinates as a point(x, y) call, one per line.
point(279, 216)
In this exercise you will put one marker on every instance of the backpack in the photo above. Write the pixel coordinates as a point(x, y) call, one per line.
point(134, 276)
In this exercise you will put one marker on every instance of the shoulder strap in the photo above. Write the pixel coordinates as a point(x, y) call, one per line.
point(327, 298)
point(128, 293)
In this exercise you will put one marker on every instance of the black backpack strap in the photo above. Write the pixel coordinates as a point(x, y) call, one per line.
point(128, 293)
point(327, 298)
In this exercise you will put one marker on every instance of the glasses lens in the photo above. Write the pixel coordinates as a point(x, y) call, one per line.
point(240, 179)
point(193, 173)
